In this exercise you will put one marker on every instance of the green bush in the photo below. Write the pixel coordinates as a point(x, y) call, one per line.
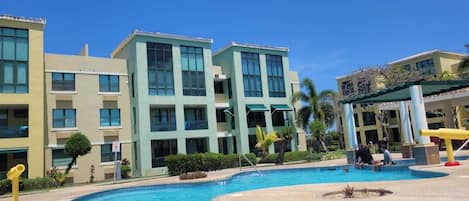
point(180, 163)
point(290, 156)
point(333, 147)
point(38, 183)
point(5, 186)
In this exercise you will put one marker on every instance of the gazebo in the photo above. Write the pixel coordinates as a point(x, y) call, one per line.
point(425, 152)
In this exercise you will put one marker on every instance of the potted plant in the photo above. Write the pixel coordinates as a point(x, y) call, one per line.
point(125, 168)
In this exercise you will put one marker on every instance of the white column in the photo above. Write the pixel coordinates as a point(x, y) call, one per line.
point(418, 113)
point(350, 123)
point(406, 128)
point(449, 117)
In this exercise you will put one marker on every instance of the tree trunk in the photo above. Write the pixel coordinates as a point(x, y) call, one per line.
point(281, 152)
point(69, 166)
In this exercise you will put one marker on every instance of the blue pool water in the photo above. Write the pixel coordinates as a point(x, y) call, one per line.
point(251, 181)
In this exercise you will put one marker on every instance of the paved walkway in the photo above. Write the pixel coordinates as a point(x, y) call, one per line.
point(453, 187)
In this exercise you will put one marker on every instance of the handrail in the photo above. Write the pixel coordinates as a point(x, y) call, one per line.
point(249, 161)
point(461, 147)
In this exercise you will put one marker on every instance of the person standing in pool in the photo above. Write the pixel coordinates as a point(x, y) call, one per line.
point(387, 157)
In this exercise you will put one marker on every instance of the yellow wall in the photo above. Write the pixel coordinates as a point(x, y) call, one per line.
point(34, 99)
point(87, 100)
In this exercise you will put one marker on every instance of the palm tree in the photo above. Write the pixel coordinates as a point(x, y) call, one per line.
point(283, 138)
point(319, 106)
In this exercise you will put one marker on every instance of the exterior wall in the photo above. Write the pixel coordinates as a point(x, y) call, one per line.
point(135, 52)
point(88, 100)
point(34, 99)
point(295, 87)
point(230, 60)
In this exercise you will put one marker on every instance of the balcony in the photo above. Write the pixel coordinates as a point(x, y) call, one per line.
point(13, 121)
point(170, 126)
point(195, 124)
point(221, 126)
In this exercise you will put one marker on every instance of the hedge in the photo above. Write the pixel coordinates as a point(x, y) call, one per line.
point(28, 184)
point(292, 156)
point(180, 163)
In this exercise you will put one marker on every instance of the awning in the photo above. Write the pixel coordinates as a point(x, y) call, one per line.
point(257, 108)
point(401, 92)
point(281, 108)
point(229, 111)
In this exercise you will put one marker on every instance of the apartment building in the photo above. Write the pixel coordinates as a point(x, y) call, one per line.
point(89, 95)
point(21, 95)
point(432, 64)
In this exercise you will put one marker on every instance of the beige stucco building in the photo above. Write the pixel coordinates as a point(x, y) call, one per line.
point(88, 95)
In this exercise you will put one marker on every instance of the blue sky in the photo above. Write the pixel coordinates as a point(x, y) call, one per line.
point(326, 39)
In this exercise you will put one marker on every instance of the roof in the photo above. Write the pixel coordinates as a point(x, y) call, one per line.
point(158, 35)
point(248, 45)
point(426, 53)
point(401, 92)
point(23, 19)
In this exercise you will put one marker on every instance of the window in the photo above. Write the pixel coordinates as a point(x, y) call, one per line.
point(347, 88)
point(193, 75)
point(426, 67)
point(218, 87)
point(195, 118)
point(393, 113)
point(278, 119)
point(162, 119)
point(275, 76)
point(63, 82)
point(363, 86)
point(407, 67)
point(368, 118)
point(108, 83)
point(13, 60)
point(196, 145)
point(107, 155)
point(256, 118)
point(371, 136)
point(160, 69)
point(355, 119)
point(110, 117)
point(63, 118)
point(251, 74)
point(3, 118)
point(133, 85)
point(230, 93)
point(60, 158)
point(161, 149)
point(221, 115)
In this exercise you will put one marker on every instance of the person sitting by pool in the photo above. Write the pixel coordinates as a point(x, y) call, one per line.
point(387, 158)
point(366, 155)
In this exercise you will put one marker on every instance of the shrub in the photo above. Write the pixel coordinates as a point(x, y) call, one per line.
point(125, 168)
point(5, 186)
point(289, 156)
point(333, 147)
point(332, 155)
point(348, 191)
point(192, 175)
point(39, 183)
point(180, 163)
point(77, 145)
point(58, 176)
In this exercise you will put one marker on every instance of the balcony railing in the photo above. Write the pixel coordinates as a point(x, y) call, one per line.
point(14, 132)
point(196, 124)
point(170, 126)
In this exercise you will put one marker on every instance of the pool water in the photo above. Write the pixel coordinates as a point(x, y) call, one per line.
point(252, 180)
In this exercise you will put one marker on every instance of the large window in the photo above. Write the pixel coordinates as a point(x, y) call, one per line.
point(426, 67)
point(13, 60)
point(278, 119)
point(369, 118)
point(256, 118)
point(160, 149)
point(195, 118)
point(107, 155)
point(251, 74)
point(63, 82)
point(110, 117)
point(63, 118)
point(364, 86)
point(108, 83)
point(193, 75)
point(60, 158)
point(163, 119)
point(160, 69)
point(221, 115)
point(196, 145)
point(218, 87)
point(275, 76)
point(347, 88)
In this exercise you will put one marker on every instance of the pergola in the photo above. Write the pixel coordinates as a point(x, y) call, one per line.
point(402, 93)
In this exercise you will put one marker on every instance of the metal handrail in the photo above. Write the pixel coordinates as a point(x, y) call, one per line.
point(249, 161)
point(461, 147)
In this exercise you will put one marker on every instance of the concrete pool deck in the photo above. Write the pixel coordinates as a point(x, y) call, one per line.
point(452, 187)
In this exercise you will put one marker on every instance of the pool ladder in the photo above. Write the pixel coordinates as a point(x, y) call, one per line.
point(249, 161)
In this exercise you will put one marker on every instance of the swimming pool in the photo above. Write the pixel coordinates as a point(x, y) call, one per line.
point(252, 180)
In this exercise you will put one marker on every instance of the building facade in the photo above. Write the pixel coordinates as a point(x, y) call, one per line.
point(22, 95)
point(434, 64)
point(88, 95)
